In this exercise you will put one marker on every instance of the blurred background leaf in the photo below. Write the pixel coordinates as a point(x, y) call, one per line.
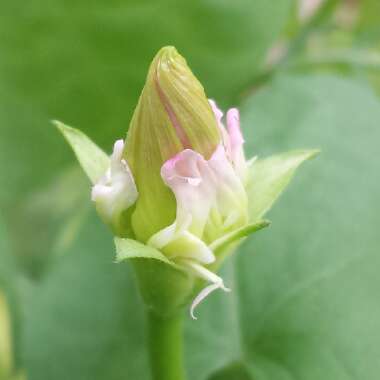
point(84, 319)
point(369, 21)
point(85, 64)
point(309, 289)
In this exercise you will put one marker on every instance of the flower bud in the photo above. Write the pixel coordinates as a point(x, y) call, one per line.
point(172, 114)
point(180, 194)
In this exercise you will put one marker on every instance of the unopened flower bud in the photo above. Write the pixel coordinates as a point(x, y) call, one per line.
point(180, 185)
point(172, 114)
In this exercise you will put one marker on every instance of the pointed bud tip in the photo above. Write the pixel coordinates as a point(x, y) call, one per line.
point(168, 69)
point(167, 51)
point(167, 57)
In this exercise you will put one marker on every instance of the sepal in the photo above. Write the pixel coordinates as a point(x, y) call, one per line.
point(114, 190)
point(269, 177)
point(91, 158)
point(221, 244)
point(165, 286)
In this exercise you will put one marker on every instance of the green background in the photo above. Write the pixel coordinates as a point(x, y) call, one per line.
point(305, 300)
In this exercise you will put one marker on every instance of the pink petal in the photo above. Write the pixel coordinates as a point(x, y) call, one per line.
point(224, 135)
point(190, 179)
point(236, 143)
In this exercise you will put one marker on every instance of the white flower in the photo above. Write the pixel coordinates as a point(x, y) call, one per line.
point(116, 191)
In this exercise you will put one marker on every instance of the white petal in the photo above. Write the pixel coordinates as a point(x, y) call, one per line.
point(236, 143)
point(232, 139)
point(217, 112)
point(231, 197)
point(165, 236)
point(216, 283)
point(116, 190)
point(204, 293)
point(225, 137)
point(181, 244)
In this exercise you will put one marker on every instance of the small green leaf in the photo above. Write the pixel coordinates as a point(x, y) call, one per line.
point(269, 178)
point(91, 158)
point(132, 249)
point(165, 286)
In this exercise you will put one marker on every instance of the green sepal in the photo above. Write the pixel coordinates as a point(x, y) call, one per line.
point(165, 286)
point(269, 177)
point(132, 249)
point(220, 244)
point(95, 162)
point(91, 158)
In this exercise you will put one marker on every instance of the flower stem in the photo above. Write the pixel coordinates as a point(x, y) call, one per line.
point(166, 347)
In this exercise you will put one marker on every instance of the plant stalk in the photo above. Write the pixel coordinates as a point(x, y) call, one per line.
point(165, 341)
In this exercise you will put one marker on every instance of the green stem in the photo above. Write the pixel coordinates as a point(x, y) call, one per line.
point(166, 347)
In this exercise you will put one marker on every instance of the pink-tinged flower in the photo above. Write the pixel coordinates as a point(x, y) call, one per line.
point(183, 171)
point(179, 194)
point(211, 202)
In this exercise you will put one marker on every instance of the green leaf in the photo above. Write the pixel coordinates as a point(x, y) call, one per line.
point(7, 265)
point(308, 297)
point(92, 159)
point(132, 249)
point(304, 300)
point(269, 177)
point(164, 285)
point(49, 220)
point(20, 375)
point(368, 22)
point(85, 319)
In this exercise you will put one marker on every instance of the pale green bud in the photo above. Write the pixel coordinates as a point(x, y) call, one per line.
point(172, 114)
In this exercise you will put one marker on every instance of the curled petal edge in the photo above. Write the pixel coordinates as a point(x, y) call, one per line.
point(216, 282)
point(115, 191)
